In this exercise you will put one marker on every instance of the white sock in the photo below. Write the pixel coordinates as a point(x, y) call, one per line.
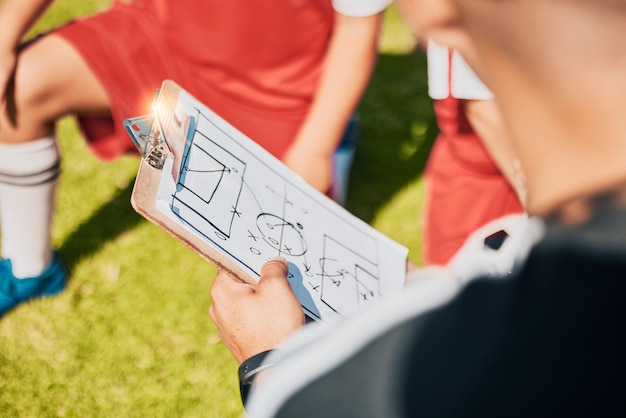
point(28, 179)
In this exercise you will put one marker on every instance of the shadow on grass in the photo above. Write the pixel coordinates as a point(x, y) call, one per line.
point(110, 221)
point(398, 128)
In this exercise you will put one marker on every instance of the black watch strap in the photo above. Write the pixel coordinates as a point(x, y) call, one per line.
point(248, 371)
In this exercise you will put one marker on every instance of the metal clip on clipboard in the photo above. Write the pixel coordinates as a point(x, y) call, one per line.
point(147, 137)
point(166, 131)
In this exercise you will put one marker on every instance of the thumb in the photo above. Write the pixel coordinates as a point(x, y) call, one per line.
point(273, 273)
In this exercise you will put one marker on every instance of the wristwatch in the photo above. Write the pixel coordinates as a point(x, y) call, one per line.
point(248, 370)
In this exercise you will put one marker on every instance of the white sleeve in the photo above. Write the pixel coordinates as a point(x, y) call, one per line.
point(450, 75)
point(518, 234)
point(464, 82)
point(438, 67)
point(358, 8)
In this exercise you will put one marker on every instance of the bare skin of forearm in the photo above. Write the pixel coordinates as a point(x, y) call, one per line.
point(486, 120)
point(349, 63)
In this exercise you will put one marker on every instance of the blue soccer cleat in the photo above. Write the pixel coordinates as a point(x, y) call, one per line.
point(14, 291)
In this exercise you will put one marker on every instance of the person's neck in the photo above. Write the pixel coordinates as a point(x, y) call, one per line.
point(581, 209)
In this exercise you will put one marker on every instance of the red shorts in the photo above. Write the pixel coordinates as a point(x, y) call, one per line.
point(464, 188)
point(131, 49)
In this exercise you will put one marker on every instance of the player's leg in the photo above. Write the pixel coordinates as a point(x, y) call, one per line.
point(51, 81)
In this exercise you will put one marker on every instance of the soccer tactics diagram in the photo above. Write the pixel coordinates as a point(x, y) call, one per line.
point(251, 207)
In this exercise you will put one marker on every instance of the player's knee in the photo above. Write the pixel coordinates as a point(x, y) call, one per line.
point(31, 106)
point(31, 81)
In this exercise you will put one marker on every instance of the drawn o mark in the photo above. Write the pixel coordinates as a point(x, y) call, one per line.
point(281, 234)
point(307, 271)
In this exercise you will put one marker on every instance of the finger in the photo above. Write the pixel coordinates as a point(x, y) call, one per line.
point(216, 316)
point(212, 313)
point(275, 266)
point(273, 273)
point(224, 286)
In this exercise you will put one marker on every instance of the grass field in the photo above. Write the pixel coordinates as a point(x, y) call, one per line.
point(131, 337)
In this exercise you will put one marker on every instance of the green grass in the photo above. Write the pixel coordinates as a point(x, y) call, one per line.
point(130, 339)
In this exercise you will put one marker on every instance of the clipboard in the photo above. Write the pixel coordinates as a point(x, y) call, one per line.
point(143, 200)
point(230, 201)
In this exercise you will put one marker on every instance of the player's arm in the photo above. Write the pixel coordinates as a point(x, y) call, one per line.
point(16, 18)
point(349, 63)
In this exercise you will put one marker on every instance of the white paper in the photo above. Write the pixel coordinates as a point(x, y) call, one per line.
point(244, 202)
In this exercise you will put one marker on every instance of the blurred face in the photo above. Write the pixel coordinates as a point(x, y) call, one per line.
point(439, 20)
point(428, 17)
point(546, 62)
point(469, 26)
